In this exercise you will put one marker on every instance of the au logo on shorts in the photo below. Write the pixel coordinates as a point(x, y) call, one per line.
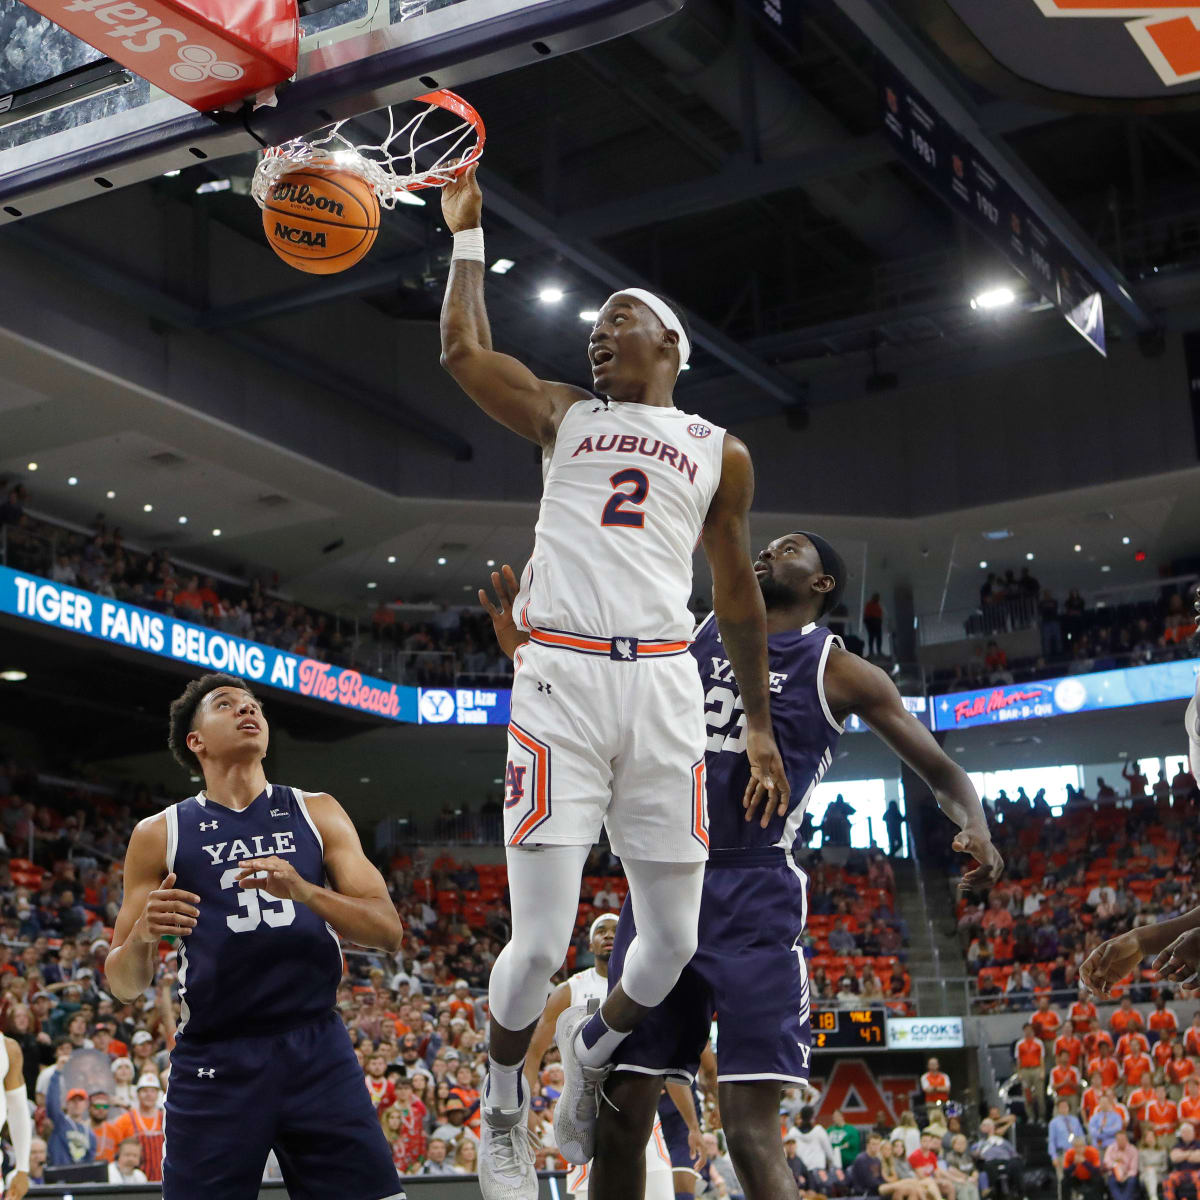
point(514, 785)
point(699, 431)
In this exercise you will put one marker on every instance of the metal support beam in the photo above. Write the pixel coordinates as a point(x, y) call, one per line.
point(896, 42)
point(85, 268)
point(518, 210)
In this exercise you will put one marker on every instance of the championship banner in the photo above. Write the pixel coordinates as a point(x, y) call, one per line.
point(35, 599)
point(962, 177)
point(1069, 694)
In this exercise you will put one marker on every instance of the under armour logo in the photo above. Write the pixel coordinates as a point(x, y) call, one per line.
point(206, 1072)
point(205, 827)
point(279, 812)
point(545, 688)
point(198, 63)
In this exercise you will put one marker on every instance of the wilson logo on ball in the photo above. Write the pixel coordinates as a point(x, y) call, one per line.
point(299, 237)
point(301, 193)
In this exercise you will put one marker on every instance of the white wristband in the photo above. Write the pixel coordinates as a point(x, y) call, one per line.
point(468, 245)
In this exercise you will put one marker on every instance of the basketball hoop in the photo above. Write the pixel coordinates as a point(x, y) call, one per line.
point(402, 162)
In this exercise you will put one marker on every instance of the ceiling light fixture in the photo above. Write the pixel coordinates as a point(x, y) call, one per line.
point(999, 297)
point(983, 564)
point(502, 266)
point(391, 558)
point(412, 198)
point(72, 480)
point(491, 562)
point(1078, 547)
point(183, 520)
point(110, 494)
point(589, 314)
point(441, 562)
point(1106, 568)
point(1029, 556)
point(31, 466)
point(1124, 541)
point(147, 508)
point(14, 675)
point(550, 295)
point(216, 533)
point(372, 584)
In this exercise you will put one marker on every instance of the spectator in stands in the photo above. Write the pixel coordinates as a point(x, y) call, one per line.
point(145, 1122)
point(1162, 1114)
point(1083, 1170)
point(816, 1152)
point(1184, 1162)
point(841, 940)
point(1106, 1123)
point(124, 1168)
point(99, 1111)
point(1045, 1021)
point(1031, 1067)
point(925, 1164)
point(997, 919)
point(997, 1157)
point(37, 1165)
point(894, 820)
point(912, 1187)
point(1065, 1126)
point(71, 1140)
point(960, 1167)
point(1152, 1163)
point(864, 1172)
point(1178, 1070)
point(935, 1085)
point(436, 1162)
point(873, 624)
point(907, 1132)
point(1189, 1104)
point(1121, 1168)
point(1065, 1083)
point(844, 1139)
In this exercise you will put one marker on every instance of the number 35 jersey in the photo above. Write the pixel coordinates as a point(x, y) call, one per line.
point(625, 493)
point(805, 731)
point(254, 963)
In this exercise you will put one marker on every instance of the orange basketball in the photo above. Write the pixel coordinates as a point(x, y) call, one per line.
point(321, 219)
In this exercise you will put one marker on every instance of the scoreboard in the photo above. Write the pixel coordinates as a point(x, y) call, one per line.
point(849, 1029)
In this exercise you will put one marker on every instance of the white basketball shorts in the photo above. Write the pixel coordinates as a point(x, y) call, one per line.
point(614, 738)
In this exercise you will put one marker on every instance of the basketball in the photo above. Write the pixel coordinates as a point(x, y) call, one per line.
point(321, 219)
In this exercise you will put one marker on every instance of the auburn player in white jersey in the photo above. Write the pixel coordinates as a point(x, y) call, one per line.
point(607, 709)
point(581, 988)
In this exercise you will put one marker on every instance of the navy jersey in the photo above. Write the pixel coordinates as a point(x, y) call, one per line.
point(254, 963)
point(805, 732)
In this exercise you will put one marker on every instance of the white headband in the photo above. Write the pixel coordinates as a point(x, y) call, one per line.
point(601, 917)
point(665, 314)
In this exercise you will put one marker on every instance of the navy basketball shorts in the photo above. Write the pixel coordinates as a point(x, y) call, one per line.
point(300, 1093)
point(748, 972)
point(675, 1133)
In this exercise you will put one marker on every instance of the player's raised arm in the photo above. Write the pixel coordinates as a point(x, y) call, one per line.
point(853, 685)
point(151, 908)
point(543, 1035)
point(356, 904)
point(507, 390)
point(742, 620)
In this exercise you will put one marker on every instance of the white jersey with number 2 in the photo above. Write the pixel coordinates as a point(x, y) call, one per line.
point(625, 493)
point(588, 985)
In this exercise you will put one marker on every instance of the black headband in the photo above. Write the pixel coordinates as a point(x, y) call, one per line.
point(831, 564)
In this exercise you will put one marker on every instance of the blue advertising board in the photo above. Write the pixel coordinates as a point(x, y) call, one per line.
point(1068, 694)
point(78, 611)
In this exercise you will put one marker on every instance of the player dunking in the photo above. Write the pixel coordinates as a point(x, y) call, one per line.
point(750, 964)
point(583, 986)
point(607, 713)
point(261, 1060)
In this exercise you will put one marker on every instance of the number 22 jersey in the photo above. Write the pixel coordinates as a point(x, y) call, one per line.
point(254, 963)
point(626, 490)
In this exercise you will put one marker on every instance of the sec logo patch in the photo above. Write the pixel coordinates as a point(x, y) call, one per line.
point(699, 431)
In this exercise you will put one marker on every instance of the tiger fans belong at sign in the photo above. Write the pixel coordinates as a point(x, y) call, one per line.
point(207, 53)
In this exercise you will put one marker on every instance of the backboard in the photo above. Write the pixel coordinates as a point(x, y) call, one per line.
point(74, 124)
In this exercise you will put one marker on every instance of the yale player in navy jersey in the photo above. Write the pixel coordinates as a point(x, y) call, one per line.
point(257, 881)
point(750, 962)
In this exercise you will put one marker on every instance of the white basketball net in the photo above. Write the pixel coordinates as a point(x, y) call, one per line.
point(390, 167)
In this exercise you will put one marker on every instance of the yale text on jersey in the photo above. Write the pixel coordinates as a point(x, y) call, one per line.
point(258, 846)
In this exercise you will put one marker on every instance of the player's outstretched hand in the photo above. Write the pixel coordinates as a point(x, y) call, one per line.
point(1180, 961)
point(504, 625)
point(462, 201)
point(978, 844)
point(18, 1187)
point(1111, 962)
point(696, 1149)
point(169, 912)
point(768, 786)
point(275, 876)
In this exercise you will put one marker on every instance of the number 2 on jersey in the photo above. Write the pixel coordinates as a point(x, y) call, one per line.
point(255, 906)
point(727, 733)
point(617, 510)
